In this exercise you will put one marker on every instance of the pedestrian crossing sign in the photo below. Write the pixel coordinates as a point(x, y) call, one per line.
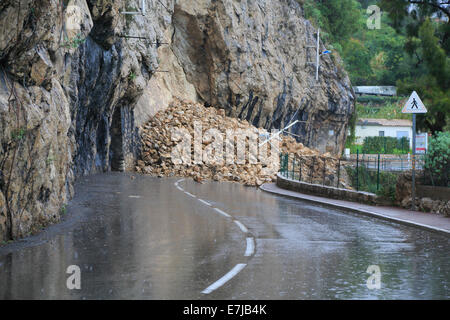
point(414, 105)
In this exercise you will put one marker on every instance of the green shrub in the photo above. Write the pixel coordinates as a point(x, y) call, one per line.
point(132, 76)
point(437, 160)
point(368, 181)
point(388, 185)
point(74, 42)
point(385, 145)
point(18, 134)
point(356, 147)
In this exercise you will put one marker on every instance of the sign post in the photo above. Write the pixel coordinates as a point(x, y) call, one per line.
point(414, 106)
point(413, 187)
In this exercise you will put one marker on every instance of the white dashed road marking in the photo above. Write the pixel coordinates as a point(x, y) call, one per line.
point(225, 278)
point(249, 251)
point(222, 213)
point(241, 226)
point(250, 247)
point(204, 202)
point(136, 197)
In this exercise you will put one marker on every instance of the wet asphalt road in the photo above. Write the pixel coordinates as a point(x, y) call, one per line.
point(146, 238)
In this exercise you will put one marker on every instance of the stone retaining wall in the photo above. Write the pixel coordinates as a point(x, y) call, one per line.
point(325, 191)
point(435, 193)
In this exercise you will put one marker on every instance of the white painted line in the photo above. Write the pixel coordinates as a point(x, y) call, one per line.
point(233, 272)
point(176, 183)
point(179, 188)
point(205, 202)
point(319, 200)
point(190, 194)
point(241, 226)
point(222, 213)
point(250, 247)
point(136, 197)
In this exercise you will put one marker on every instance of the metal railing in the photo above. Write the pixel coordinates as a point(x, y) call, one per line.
point(371, 173)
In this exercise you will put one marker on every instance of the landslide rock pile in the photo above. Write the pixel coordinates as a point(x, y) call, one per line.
point(252, 59)
point(159, 144)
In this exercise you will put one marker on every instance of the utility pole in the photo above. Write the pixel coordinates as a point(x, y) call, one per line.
point(318, 55)
point(143, 10)
point(143, 7)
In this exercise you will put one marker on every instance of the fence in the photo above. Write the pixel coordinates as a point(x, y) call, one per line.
point(376, 174)
point(389, 162)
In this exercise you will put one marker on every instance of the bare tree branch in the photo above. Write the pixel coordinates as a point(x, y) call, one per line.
point(440, 6)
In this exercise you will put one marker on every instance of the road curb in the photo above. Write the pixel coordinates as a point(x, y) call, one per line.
point(324, 202)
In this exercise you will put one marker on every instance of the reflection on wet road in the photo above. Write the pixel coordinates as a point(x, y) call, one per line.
point(149, 238)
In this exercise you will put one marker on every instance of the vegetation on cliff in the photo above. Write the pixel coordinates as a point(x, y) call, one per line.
point(411, 50)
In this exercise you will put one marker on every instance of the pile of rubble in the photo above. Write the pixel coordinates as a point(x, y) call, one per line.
point(441, 207)
point(425, 204)
point(185, 121)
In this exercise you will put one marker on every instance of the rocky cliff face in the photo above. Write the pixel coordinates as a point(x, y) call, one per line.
point(74, 90)
point(252, 59)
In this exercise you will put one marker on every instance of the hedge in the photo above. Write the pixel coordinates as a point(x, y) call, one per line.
point(385, 145)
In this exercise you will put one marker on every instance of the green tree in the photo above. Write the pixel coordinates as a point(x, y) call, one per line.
point(431, 80)
point(399, 10)
point(386, 48)
point(339, 19)
point(427, 67)
point(411, 50)
point(357, 61)
point(433, 55)
point(437, 160)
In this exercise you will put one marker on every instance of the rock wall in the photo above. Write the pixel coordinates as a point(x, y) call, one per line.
point(252, 59)
point(74, 91)
point(68, 86)
point(327, 191)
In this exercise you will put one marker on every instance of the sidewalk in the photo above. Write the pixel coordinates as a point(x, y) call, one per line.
point(422, 220)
